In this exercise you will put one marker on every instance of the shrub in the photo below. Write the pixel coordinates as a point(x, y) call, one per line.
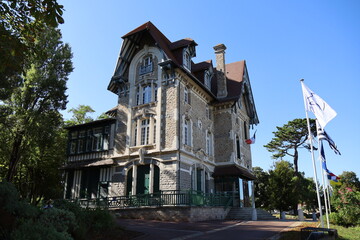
point(347, 208)
point(34, 230)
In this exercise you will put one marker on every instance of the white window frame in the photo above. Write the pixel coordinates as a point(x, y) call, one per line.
point(187, 59)
point(145, 131)
point(187, 132)
point(207, 79)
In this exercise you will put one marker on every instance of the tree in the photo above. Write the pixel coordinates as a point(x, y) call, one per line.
point(261, 186)
point(289, 138)
point(283, 193)
point(80, 115)
point(21, 21)
point(30, 117)
point(346, 200)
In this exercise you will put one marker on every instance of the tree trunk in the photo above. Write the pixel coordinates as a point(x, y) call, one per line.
point(296, 157)
point(14, 157)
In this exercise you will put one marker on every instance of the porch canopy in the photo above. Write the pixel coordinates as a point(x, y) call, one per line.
point(88, 163)
point(233, 171)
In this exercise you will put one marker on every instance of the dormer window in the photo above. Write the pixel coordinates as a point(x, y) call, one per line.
point(207, 79)
point(187, 59)
point(146, 65)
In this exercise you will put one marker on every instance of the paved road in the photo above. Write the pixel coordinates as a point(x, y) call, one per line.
point(229, 230)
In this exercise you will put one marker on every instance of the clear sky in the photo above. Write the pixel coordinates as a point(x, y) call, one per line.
point(282, 42)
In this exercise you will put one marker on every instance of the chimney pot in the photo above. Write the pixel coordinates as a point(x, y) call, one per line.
point(221, 71)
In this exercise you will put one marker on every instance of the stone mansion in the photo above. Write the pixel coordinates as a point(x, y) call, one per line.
point(177, 125)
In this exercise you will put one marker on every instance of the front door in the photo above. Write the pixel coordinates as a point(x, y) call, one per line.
point(143, 179)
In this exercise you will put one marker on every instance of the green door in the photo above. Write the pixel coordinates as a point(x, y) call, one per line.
point(198, 182)
point(143, 179)
point(129, 182)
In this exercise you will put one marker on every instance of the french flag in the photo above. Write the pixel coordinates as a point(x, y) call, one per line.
point(251, 140)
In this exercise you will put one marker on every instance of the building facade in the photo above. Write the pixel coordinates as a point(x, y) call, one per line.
point(177, 125)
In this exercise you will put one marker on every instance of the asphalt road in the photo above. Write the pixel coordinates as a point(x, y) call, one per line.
point(228, 230)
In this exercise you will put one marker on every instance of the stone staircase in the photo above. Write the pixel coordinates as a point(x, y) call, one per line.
point(246, 213)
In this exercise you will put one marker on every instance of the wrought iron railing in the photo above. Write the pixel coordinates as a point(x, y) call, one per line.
point(146, 69)
point(162, 198)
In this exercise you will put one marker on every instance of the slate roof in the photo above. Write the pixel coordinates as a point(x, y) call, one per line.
point(173, 51)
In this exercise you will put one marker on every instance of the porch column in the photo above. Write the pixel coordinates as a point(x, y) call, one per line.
point(151, 179)
point(134, 173)
point(252, 190)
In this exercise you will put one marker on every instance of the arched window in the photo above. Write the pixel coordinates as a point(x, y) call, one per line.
point(146, 65)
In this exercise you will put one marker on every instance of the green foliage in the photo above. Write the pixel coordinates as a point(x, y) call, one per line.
point(261, 186)
point(308, 194)
point(346, 201)
point(90, 221)
point(283, 192)
point(32, 142)
point(80, 115)
point(289, 138)
point(21, 21)
point(32, 230)
point(66, 220)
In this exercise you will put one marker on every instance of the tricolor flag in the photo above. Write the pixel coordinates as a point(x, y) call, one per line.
point(323, 112)
point(324, 136)
point(251, 140)
point(329, 174)
point(332, 177)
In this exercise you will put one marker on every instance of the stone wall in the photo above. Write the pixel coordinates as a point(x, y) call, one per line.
point(174, 214)
point(168, 176)
point(168, 118)
point(224, 144)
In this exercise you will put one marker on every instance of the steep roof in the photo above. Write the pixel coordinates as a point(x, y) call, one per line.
point(235, 72)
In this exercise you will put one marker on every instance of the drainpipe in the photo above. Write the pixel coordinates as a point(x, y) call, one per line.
point(179, 133)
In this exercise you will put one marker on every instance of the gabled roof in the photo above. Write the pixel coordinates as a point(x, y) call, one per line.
point(235, 72)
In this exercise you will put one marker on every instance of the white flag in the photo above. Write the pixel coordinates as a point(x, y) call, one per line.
point(323, 112)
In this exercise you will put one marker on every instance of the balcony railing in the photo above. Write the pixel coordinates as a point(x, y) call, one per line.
point(163, 198)
point(145, 69)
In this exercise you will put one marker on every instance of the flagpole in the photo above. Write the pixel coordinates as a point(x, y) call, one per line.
point(328, 193)
point(313, 160)
point(320, 145)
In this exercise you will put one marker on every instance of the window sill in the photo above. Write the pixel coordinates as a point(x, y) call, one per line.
point(147, 146)
point(150, 104)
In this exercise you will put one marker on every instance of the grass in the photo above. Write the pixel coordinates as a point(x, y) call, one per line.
point(351, 233)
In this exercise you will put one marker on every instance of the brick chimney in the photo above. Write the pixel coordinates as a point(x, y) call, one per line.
point(221, 71)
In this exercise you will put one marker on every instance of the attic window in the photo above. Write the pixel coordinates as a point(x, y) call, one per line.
point(146, 65)
point(207, 79)
point(187, 59)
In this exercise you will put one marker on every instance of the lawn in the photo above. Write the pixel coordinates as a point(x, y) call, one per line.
point(351, 233)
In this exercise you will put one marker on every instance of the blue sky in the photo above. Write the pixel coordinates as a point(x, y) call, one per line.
point(282, 42)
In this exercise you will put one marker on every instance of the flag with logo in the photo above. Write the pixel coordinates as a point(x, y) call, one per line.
point(313, 103)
